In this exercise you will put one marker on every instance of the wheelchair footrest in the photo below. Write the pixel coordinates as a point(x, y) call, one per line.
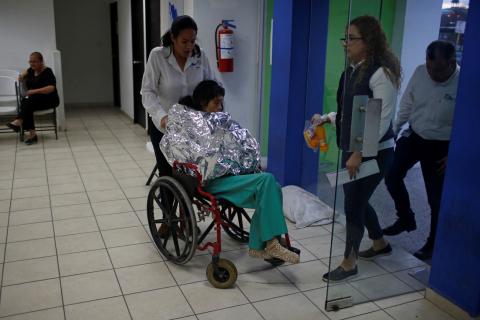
point(293, 249)
point(275, 261)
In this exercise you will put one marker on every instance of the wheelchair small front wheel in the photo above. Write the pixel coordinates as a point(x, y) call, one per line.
point(224, 276)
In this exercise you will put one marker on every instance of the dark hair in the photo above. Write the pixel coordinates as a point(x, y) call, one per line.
point(188, 101)
point(38, 55)
point(202, 94)
point(441, 48)
point(378, 50)
point(180, 23)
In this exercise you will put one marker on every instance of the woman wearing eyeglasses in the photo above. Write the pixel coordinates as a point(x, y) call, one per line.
point(374, 71)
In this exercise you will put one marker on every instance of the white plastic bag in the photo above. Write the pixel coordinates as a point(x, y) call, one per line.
point(304, 208)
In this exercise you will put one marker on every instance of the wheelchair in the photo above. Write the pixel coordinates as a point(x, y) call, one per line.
point(170, 206)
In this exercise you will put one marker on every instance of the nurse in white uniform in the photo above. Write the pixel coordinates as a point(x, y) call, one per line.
point(172, 71)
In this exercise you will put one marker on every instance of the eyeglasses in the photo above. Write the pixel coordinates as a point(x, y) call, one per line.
point(349, 39)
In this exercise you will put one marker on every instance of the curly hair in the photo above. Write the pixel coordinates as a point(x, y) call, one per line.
point(378, 50)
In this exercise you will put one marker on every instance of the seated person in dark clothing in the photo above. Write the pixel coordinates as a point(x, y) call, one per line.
point(41, 94)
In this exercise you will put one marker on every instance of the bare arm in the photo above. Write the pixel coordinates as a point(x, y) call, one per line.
point(22, 75)
point(43, 90)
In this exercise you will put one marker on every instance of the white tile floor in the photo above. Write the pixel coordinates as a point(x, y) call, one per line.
point(74, 244)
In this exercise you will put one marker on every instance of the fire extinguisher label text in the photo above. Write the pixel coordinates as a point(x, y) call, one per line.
point(226, 46)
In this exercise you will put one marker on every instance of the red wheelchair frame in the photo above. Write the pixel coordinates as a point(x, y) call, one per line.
point(221, 273)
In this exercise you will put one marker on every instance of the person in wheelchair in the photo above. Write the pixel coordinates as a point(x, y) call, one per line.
point(259, 191)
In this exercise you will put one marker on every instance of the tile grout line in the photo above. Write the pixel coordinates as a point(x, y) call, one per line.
point(237, 285)
point(135, 160)
point(8, 219)
point(96, 221)
point(29, 312)
point(53, 230)
point(171, 274)
point(325, 313)
point(135, 211)
point(416, 299)
point(300, 291)
point(95, 217)
point(158, 251)
point(318, 259)
point(164, 261)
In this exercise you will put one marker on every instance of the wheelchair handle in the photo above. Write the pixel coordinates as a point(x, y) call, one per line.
point(188, 168)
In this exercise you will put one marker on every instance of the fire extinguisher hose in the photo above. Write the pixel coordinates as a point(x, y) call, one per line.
point(217, 45)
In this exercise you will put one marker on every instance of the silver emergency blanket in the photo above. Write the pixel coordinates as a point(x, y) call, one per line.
point(212, 140)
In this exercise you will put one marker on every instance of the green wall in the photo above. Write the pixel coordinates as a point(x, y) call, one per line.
point(338, 18)
point(267, 76)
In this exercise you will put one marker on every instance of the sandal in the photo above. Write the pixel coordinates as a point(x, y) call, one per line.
point(261, 254)
point(275, 249)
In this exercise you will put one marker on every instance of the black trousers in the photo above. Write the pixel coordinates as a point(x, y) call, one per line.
point(164, 167)
point(410, 150)
point(358, 211)
point(36, 102)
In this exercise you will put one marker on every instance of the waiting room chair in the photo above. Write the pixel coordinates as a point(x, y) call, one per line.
point(9, 101)
point(50, 115)
point(9, 73)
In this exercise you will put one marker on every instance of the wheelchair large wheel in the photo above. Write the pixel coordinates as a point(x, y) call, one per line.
point(235, 219)
point(172, 220)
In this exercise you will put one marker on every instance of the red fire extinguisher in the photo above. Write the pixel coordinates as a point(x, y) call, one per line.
point(224, 45)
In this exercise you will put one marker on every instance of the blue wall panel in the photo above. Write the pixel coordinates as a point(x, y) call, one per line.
point(455, 269)
point(299, 43)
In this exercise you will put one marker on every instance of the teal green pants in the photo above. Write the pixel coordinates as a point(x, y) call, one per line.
point(259, 191)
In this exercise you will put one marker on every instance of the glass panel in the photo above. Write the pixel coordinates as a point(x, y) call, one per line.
point(365, 201)
point(453, 23)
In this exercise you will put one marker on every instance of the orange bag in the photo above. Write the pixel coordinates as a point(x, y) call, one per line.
point(316, 137)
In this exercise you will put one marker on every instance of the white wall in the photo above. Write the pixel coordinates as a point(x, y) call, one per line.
point(83, 37)
point(421, 26)
point(125, 56)
point(26, 26)
point(242, 86)
point(165, 19)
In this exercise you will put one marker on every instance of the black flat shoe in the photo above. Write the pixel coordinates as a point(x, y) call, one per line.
point(31, 141)
point(371, 254)
point(13, 127)
point(400, 226)
point(340, 274)
point(425, 253)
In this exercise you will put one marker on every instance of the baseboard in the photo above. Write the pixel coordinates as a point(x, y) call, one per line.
point(98, 104)
point(88, 104)
point(448, 306)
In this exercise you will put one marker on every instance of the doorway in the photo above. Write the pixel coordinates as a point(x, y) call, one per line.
point(145, 36)
point(138, 60)
point(115, 53)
